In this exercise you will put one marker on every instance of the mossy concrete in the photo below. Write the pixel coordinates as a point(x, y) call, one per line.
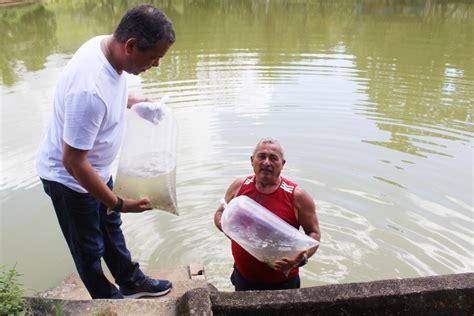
point(191, 295)
point(437, 295)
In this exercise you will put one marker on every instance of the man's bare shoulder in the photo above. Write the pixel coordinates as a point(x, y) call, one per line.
point(234, 188)
point(300, 192)
point(303, 198)
point(237, 183)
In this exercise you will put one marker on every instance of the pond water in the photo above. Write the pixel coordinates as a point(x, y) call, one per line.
point(372, 101)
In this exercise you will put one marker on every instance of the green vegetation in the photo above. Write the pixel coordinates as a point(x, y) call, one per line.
point(12, 301)
point(43, 306)
point(11, 293)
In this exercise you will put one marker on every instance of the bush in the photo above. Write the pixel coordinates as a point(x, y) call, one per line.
point(11, 293)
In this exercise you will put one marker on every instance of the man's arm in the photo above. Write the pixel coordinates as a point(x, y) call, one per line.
point(306, 215)
point(229, 195)
point(133, 99)
point(306, 211)
point(76, 163)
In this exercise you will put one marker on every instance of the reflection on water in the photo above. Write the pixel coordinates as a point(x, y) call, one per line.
point(371, 99)
point(27, 39)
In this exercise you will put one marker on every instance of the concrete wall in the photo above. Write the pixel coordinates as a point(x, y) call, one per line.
point(437, 295)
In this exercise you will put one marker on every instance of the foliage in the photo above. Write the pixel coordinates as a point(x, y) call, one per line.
point(11, 293)
point(39, 306)
point(58, 309)
point(43, 306)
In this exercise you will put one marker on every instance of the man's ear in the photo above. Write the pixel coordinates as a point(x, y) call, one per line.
point(130, 44)
point(284, 162)
point(251, 159)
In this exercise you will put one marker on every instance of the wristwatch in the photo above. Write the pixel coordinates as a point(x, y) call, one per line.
point(304, 261)
point(118, 207)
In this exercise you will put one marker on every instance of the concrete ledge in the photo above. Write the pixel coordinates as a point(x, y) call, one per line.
point(70, 297)
point(195, 302)
point(437, 295)
point(165, 305)
point(72, 288)
point(101, 307)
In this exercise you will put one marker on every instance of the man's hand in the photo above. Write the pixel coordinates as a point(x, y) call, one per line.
point(285, 264)
point(135, 206)
point(152, 112)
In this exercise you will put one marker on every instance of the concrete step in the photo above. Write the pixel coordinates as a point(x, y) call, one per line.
point(74, 299)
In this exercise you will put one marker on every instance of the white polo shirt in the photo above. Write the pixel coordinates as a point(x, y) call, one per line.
point(89, 108)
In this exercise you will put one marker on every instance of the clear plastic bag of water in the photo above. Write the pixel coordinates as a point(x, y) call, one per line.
point(261, 233)
point(147, 165)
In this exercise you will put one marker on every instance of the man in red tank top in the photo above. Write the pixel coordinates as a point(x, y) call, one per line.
point(286, 200)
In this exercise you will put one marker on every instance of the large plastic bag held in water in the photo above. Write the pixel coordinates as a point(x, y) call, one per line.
point(147, 165)
point(261, 233)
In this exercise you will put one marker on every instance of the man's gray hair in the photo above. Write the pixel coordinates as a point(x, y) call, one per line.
point(269, 140)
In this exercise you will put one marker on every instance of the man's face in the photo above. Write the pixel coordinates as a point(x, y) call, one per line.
point(140, 60)
point(267, 162)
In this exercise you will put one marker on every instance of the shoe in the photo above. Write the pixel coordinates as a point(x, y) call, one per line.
point(149, 287)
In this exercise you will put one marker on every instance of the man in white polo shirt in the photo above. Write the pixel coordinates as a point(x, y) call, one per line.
point(82, 141)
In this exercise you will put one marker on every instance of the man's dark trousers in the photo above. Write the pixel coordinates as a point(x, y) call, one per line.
point(91, 234)
point(241, 284)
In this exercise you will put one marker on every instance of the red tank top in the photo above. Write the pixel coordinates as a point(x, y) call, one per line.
point(281, 203)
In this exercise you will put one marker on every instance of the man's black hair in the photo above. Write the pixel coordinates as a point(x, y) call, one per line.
point(147, 24)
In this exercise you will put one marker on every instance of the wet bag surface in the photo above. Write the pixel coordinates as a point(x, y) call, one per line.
point(147, 165)
point(261, 233)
